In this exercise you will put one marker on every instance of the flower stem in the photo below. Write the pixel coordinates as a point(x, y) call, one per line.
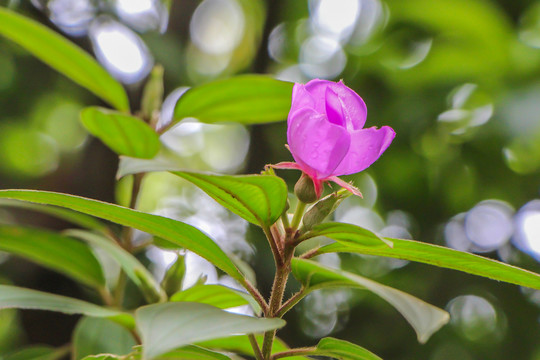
point(297, 218)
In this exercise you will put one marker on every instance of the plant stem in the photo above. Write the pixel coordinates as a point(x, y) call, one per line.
point(293, 300)
point(255, 346)
point(273, 245)
point(256, 294)
point(293, 352)
point(298, 214)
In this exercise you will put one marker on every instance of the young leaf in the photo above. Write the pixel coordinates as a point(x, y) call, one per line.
point(164, 327)
point(13, 297)
point(132, 267)
point(68, 256)
point(216, 295)
point(348, 233)
point(246, 99)
point(259, 199)
point(124, 134)
point(98, 336)
point(63, 56)
point(174, 231)
point(442, 257)
point(423, 317)
point(192, 352)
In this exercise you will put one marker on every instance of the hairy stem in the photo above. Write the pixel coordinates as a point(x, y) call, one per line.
point(293, 300)
point(294, 352)
point(255, 346)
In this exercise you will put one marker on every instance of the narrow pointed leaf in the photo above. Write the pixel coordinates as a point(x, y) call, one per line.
point(37, 352)
point(241, 344)
point(348, 233)
point(60, 253)
point(442, 257)
point(343, 350)
point(63, 56)
point(73, 217)
point(216, 295)
point(192, 352)
point(423, 317)
point(174, 231)
point(245, 99)
point(13, 297)
point(164, 327)
point(131, 266)
point(124, 134)
point(259, 199)
point(99, 336)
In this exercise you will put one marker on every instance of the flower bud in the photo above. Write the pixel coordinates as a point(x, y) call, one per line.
point(324, 207)
point(305, 190)
point(174, 276)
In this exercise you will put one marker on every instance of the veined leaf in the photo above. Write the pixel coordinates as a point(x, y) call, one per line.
point(442, 257)
point(164, 327)
point(124, 134)
point(37, 352)
point(73, 217)
point(192, 352)
point(216, 295)
point(343, 350)
point(63, 56)
point(68, 256)
point(132, 267)
point(423, 317)
point(348, 233)
point(99, 336)
point(241, 344)
point(259, 199)
point(174, 231)
point(13, 297)
point(246, 99)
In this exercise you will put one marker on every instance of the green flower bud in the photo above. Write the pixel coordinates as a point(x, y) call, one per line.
point(174, 276)
point(324, 207)
point(305, 190)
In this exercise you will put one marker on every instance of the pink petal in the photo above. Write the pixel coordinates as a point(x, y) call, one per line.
point(301, 98)
point(334, 111)
point(315, 143)
point(367, 145)
point(348, 186)
point(354, 107)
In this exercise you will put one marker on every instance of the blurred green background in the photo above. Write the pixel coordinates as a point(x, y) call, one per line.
point(459, 81)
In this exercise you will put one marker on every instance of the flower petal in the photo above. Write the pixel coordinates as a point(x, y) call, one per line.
point(301, 98)
point(367, 145)
point(334, 110)
point(353, 106)
point(316, 144)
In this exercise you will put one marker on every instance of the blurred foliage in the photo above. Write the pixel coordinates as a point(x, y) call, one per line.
point(459, 81)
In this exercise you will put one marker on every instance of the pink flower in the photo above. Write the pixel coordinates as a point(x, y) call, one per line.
point(326, 136)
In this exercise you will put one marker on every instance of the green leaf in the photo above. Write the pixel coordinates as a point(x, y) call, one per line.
point(73, 217)
point(343, 350)
point(132, 267)
point(216, 295)
point(443, 257)
point(241, 344)
point(423, 317)
point(98, 336)
point(124, 134)
point(68, 256)
point(164, 327)
point(246, 99)
point(193, 352)
point(63, 56)
point(13, 297)
point(259, 199)
point(174, 231)
point(348, 233)
point(37, 352)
